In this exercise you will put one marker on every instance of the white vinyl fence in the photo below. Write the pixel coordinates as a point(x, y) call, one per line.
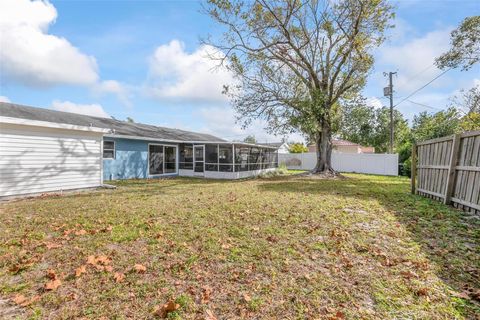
point(373, 163)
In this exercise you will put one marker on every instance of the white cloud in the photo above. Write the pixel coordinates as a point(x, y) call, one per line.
point(94, 110)
point(178, 75)
point(116, 88)
point(220, 122)
point(4, 99)
point(33, 57)
point(374, 102)
point(414, 60)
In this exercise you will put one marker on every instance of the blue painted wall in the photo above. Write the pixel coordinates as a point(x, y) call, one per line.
point(131, 160)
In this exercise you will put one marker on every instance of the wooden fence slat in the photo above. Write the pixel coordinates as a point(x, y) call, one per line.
point(451, 171)
point(413, 173)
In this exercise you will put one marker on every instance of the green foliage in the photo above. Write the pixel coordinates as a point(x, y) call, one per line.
point(465, 46)
point(297, 147)
point(250, 139)
point(470, 122)
point(365, 125)
point(430, 126)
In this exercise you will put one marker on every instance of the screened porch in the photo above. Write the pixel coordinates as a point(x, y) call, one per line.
point(226, 160)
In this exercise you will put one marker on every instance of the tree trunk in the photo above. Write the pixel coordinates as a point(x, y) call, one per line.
point(324, 151)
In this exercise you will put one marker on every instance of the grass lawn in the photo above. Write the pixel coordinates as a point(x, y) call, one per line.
point(279, 248)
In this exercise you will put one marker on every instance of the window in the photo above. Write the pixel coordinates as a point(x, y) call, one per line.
point(162, 159)
point(108, 149)
point(155, 159)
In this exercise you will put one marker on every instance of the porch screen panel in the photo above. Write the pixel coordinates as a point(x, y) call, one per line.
point(225, 157)
point(241, 158)
point(155, 159)
point(186, 156)
point(211, 157)
point(254, 158)
point(170, 159)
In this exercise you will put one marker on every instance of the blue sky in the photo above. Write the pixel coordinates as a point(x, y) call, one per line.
point(143, 59)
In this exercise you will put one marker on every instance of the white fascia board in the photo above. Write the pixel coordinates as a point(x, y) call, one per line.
point(121, 136)
point(47, 124)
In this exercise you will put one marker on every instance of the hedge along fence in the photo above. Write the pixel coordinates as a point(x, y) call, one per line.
point(448, 169)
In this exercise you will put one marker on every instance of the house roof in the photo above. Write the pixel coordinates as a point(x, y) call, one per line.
point(340, 142)
point(119, 128)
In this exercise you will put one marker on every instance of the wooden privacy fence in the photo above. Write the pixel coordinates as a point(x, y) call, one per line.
point(448, 169)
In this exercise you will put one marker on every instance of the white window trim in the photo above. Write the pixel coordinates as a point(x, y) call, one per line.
point(114, 150)
point(163, 168)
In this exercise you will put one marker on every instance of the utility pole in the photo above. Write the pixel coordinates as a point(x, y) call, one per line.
point(388, 91)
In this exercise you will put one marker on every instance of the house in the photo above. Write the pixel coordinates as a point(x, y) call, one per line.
point(344, 146)
point(45, 150)
point(282, 147)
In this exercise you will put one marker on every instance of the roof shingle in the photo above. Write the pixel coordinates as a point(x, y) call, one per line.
point(120, 128)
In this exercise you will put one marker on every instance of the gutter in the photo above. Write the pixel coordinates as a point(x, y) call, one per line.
point(113, 135)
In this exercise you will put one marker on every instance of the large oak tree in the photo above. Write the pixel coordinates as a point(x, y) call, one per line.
point(295, 60)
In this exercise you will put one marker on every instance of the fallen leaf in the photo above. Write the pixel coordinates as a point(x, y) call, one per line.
point(119, 277)
point(206, 292)
point(15, 269)
point(53, 285)
point(103, 260)
point(108, 268)
point(140, 268)
point(339, 315)
point(19, 299)
point(164, 310)
point(80, 232)
point(246, 297)
point(409, 274)
point(91, 260)
point(99, 267)
point(72, 296)
point(80, 270)
point(422, 291)
point(51, 274)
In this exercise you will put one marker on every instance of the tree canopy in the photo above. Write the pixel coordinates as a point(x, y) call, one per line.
point(465, 46)
point(250, 139)
point(295, 60)
point(369, 126)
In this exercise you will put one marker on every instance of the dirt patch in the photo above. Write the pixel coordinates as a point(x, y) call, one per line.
point(323, 175)
point(9, 311)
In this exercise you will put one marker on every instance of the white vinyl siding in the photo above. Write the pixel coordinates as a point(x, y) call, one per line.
point(37, 159)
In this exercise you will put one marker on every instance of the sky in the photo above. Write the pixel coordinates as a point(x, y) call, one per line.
point(144, 60)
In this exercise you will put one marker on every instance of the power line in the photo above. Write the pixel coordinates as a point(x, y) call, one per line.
point(416, 75)
point(424, 105)
point(429, 82)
